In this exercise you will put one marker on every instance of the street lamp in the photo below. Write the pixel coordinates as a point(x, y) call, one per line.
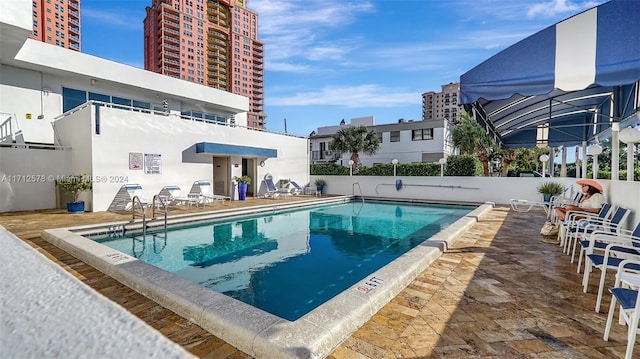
point(595, 150)
point(442, 162)
point(630, 135)
point(544, 159)
point(350, 167)
point(395, 164)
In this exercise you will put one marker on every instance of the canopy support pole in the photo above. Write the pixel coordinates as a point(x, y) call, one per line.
point(584, 159)
point(615, 151)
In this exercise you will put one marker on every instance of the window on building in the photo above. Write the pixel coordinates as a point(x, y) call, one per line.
point(422, 134)
point(72, 98)
point(121, 101)
point(379, 136)
point(99, 97)
point(394, 136)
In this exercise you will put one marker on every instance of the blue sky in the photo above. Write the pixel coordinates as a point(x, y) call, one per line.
point(326, 60)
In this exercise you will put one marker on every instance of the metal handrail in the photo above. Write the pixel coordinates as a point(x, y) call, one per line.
point(133, 213)
point(164, 207)
point(353, 190)
point(425, 185)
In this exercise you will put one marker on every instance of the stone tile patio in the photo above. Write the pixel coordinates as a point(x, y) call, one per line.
point(499, 292)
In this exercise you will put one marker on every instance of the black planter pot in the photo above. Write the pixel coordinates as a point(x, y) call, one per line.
point(75, 207)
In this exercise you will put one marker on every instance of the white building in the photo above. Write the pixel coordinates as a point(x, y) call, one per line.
point(406, 141)
point(63, 112)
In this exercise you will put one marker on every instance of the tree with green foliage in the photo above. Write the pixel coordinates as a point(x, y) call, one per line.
point(465, 135)
point(471, 138)
point(353, 140)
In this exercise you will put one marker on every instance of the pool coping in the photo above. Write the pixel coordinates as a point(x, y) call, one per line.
point(251, 330)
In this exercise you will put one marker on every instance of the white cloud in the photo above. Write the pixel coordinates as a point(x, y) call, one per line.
point(361, 96)
point(296, 30)
point(558, 7)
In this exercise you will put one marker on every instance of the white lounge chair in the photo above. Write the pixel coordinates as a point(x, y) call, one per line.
point(173, 195)
point(135, 190)
point(204, 190)
point(297, 190)
point(273, 191)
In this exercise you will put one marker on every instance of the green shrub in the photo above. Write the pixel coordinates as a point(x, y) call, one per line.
point(328, 169)
point(463, 165)
point(550, 188)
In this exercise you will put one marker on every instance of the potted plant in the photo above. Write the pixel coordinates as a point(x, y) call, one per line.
point(243, 181)
point(320, 183)
point(74, 185)
point(550, 189)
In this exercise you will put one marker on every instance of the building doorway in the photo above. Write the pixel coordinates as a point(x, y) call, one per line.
point(249, 169)
point(221, 176)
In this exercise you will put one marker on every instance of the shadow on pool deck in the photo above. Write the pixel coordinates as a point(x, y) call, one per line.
point(498, 292)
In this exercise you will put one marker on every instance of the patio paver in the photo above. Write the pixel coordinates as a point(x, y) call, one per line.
point(499, 292)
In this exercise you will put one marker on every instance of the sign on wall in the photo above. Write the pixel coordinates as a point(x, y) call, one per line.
point(152, 163)
point(135, 160)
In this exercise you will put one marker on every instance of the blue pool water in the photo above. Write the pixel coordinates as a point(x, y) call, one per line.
point(291, 262)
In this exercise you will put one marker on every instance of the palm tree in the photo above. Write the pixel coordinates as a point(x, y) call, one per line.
point(465, 135)
point(508, 156)
point(354, 140)
point(471, 138)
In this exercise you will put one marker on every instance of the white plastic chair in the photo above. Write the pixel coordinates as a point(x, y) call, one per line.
point(173, 194)
point(627, 297)
point(575, 220)
point(599, 239)
point(617, 220)
point(613, 255)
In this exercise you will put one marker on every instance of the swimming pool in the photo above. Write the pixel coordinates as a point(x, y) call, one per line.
point(291, 262)
point(250, 329)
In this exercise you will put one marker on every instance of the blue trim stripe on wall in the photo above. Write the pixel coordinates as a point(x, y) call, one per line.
point(222, 149)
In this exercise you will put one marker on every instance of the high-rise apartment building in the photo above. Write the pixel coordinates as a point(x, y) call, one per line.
point(442, 105)
point(57, 22)
point(210, 42)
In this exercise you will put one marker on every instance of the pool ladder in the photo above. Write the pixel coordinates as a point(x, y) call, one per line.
point(353, 190)
point(143, 209)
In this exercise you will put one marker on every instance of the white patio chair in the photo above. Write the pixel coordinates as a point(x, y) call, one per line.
point(204, 191)
point(134, 190)
point(617, 220)
point(613, 255)
point(173, 195)
point(625, 295)
point(599, 239)
point(272, 191)
point(575, 220)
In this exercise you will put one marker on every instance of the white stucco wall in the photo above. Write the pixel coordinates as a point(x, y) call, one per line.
point(105, 156)
point(475, 189)
point(27, 177)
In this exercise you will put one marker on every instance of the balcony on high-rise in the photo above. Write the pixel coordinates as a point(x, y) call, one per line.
point(170, 23)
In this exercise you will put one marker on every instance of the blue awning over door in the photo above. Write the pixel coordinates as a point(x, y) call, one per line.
point(234, 150)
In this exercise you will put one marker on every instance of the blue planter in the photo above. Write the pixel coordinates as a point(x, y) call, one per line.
point(242, 191)
point(319, 189)
point(75, 207)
